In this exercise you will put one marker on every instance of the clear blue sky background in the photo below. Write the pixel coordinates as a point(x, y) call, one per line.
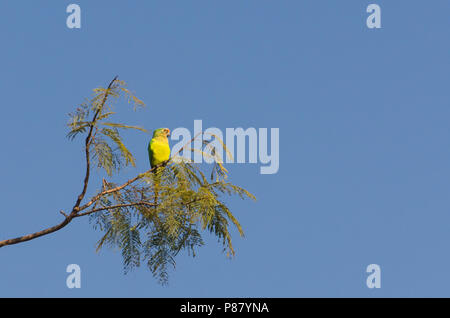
point(364, 134)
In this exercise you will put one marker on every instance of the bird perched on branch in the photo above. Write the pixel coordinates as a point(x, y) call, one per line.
point(158, 148)
point(158, 153)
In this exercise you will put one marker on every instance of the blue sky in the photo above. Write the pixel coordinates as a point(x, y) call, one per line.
point(364, 140)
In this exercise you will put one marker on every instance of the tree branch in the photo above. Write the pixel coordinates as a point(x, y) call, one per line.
point(115, 207)
point(76, 208)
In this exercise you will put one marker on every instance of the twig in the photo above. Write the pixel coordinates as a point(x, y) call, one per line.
point(114, 207)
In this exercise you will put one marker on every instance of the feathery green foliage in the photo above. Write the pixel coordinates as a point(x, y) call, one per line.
point(110, 153)
point(188, 202)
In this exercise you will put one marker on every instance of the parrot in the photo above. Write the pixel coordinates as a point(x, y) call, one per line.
point(158, 153)
point(158, 148)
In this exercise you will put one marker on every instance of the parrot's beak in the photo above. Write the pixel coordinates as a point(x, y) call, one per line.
point(168, 132)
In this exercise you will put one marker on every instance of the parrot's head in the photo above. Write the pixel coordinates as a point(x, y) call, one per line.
point(161, 132)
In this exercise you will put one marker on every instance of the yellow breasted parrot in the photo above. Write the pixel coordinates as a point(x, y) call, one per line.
point(158, 152)
point(158, 148)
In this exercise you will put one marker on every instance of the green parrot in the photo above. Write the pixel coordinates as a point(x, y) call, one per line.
point(158, 148)
point(158, 152)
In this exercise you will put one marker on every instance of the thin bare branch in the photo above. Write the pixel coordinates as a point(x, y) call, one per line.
point(115, 207)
